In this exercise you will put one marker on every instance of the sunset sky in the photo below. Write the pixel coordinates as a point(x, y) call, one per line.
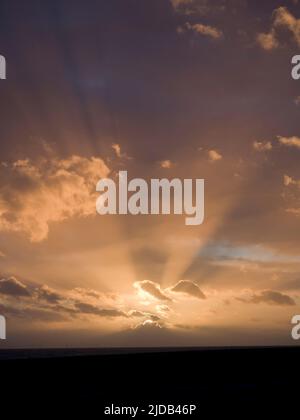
point(161, 89)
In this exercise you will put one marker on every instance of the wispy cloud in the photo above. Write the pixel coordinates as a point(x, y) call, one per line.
point(201, 29)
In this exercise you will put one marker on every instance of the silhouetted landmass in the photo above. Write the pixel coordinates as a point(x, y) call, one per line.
point(248, 382)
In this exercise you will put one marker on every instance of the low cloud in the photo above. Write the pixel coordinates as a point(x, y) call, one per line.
point(49, 295)
point(152, 288)
point(189, 288)
point(48, 304)
point(87, 308)
point(13, 287)
point(141, 314)
point(270, 297)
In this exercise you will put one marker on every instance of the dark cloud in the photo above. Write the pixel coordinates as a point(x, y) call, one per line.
point(270, 297)
point(13, 287)
point(49, 295)
point(8, 310)
point(32, 313)
point(189, 288)
point(42, 315)
point(87, 308)
point(46, 304)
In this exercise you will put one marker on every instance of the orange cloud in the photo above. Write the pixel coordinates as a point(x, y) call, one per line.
point(293, 141)
point(214, 156)
point(189, 288)
point(282, 18)
point(261, 146)
point(152, 288)
point(35, 194)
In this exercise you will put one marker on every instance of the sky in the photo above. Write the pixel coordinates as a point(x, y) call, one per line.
point(160, 89)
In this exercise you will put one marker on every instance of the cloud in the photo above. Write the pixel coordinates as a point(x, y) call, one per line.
point(214, 156)
point(270, 297)
point(148, 325)
point(261, 146)
point(49, 305)
point(294, 211)
point(87, 308)
point(284, 18)
point(297, 101)
point(13, 287)
point(152, 289)
point(117, 149)
point(206, 30)
point(35, 194)
point(90, 295)
point(190, 7)
point(139, 314)
point(267, 41)
point(288, 180)
point(281, 18)
point(166, 164)
point(189, 288)
point(31, 313)
point(199, 7)
point(293, 141)
point(199, 28)
point(162, 309)
point(49, 295)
